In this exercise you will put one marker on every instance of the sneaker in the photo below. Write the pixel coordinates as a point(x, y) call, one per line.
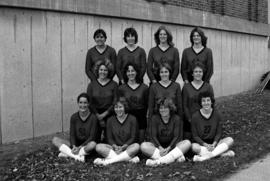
point(98, 161)
point(80, 158)
point(62, 155)
point(181, 159)
point(135, 159)
point(152, 163)
point(228, 153)
point(198, 158)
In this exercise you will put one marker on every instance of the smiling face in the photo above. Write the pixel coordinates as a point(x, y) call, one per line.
point(163, 37)
point(206, 103)
point(197, 39)
point(103, 72)
point(164, 74)
point(131, 73)
point(100, 40)
point(83, 104)
point(197, 73)
point(164, 111)
point(119, 109)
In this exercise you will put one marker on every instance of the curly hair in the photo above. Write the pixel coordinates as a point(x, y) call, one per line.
point(201, 33)
point(167, 102)
point(196, 64)
point(100, 31)
point(107, 63)
point(130, 31)
point(204, 95)
point(169, 36)
point(135, 67)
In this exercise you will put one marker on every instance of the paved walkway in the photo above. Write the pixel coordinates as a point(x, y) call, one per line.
point(258, 171)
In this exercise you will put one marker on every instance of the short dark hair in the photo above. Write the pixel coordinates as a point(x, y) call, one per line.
point(121, 99)
point(164, 64)
point(130, 31)
point(204, 95)
point(167, 102)
point(107, 63)
point(201, 33)
point(169, 36)
point(100, 31)
point(136, 68)
point(85, 95)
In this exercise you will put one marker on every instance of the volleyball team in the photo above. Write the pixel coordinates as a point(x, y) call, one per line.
point(162, 121)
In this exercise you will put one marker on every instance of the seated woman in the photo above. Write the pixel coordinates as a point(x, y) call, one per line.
point(121, 134)
point(83, 129)
point(191, 91)
point(166, 144)
point(206, 131)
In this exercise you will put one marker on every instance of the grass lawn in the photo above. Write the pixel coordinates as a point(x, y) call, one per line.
point(246, 119)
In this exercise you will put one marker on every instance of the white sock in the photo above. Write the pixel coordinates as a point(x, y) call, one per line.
point(221, 148)
point(66, 150)
point(111, 154)
point(203, 151)
point(156, 154)
point(82, 151)
point(119, 158)
point(171, 156)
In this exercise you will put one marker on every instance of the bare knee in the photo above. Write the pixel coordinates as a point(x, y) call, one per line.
point(99, 148)
point(184, 145)
point(90, 146)
point(56, 142)
point(195, 147)
point(133, 149)
point(144, 146)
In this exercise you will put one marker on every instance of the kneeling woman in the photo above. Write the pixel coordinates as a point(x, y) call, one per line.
point(122, 130)
point(83, 132)
point(206, 131)
point(166, 132)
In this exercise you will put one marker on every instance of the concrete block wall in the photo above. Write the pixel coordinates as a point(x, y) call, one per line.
point(43, 56)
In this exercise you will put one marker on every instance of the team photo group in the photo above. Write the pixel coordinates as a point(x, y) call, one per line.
point(127, 120)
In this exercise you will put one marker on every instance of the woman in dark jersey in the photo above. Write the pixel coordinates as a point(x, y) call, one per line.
point(166, 144)
point(83, 132)
point(133, 53)
point(190, 94)
point(100, 51)
point(207, 131)
point(197, 52)
point(121, 134)
point(102, 93)
point(136, 94)
point(163, 52)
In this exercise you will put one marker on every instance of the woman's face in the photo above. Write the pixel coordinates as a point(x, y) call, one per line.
point(100, 39)
point(206, 103)
point(197, 39)
point(164, 74)
point(131, 73)
point(197, 73)
point(119, 109)
point(83, 104)
point(163, 36)
point(130, 39)
point(103, 72)
point(164, 111)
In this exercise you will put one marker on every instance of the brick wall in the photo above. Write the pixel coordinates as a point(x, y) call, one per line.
point(252, 10)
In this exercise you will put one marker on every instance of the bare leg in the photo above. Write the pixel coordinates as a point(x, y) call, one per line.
point(149, 150)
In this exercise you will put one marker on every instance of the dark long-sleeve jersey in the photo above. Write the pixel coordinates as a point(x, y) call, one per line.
point(93, 55)
point(190, 98)
point(158, 91)
point(204, 129)
point(166, 134)
point(137, 98)
point(138, 56)
point(189, 57)
point(121, 133)
point(82, 132)
point(102, 96)
point(156, 56)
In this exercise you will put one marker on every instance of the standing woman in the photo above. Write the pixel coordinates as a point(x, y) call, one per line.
point(191, 92)
point(100, 51)
point(102, 92)
point(197, 52)
point(83, 132)
point(131, 52)
point(121, 135)
point(164, 51)
point(167, 144)
point(136, 94)
point(207, 131)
